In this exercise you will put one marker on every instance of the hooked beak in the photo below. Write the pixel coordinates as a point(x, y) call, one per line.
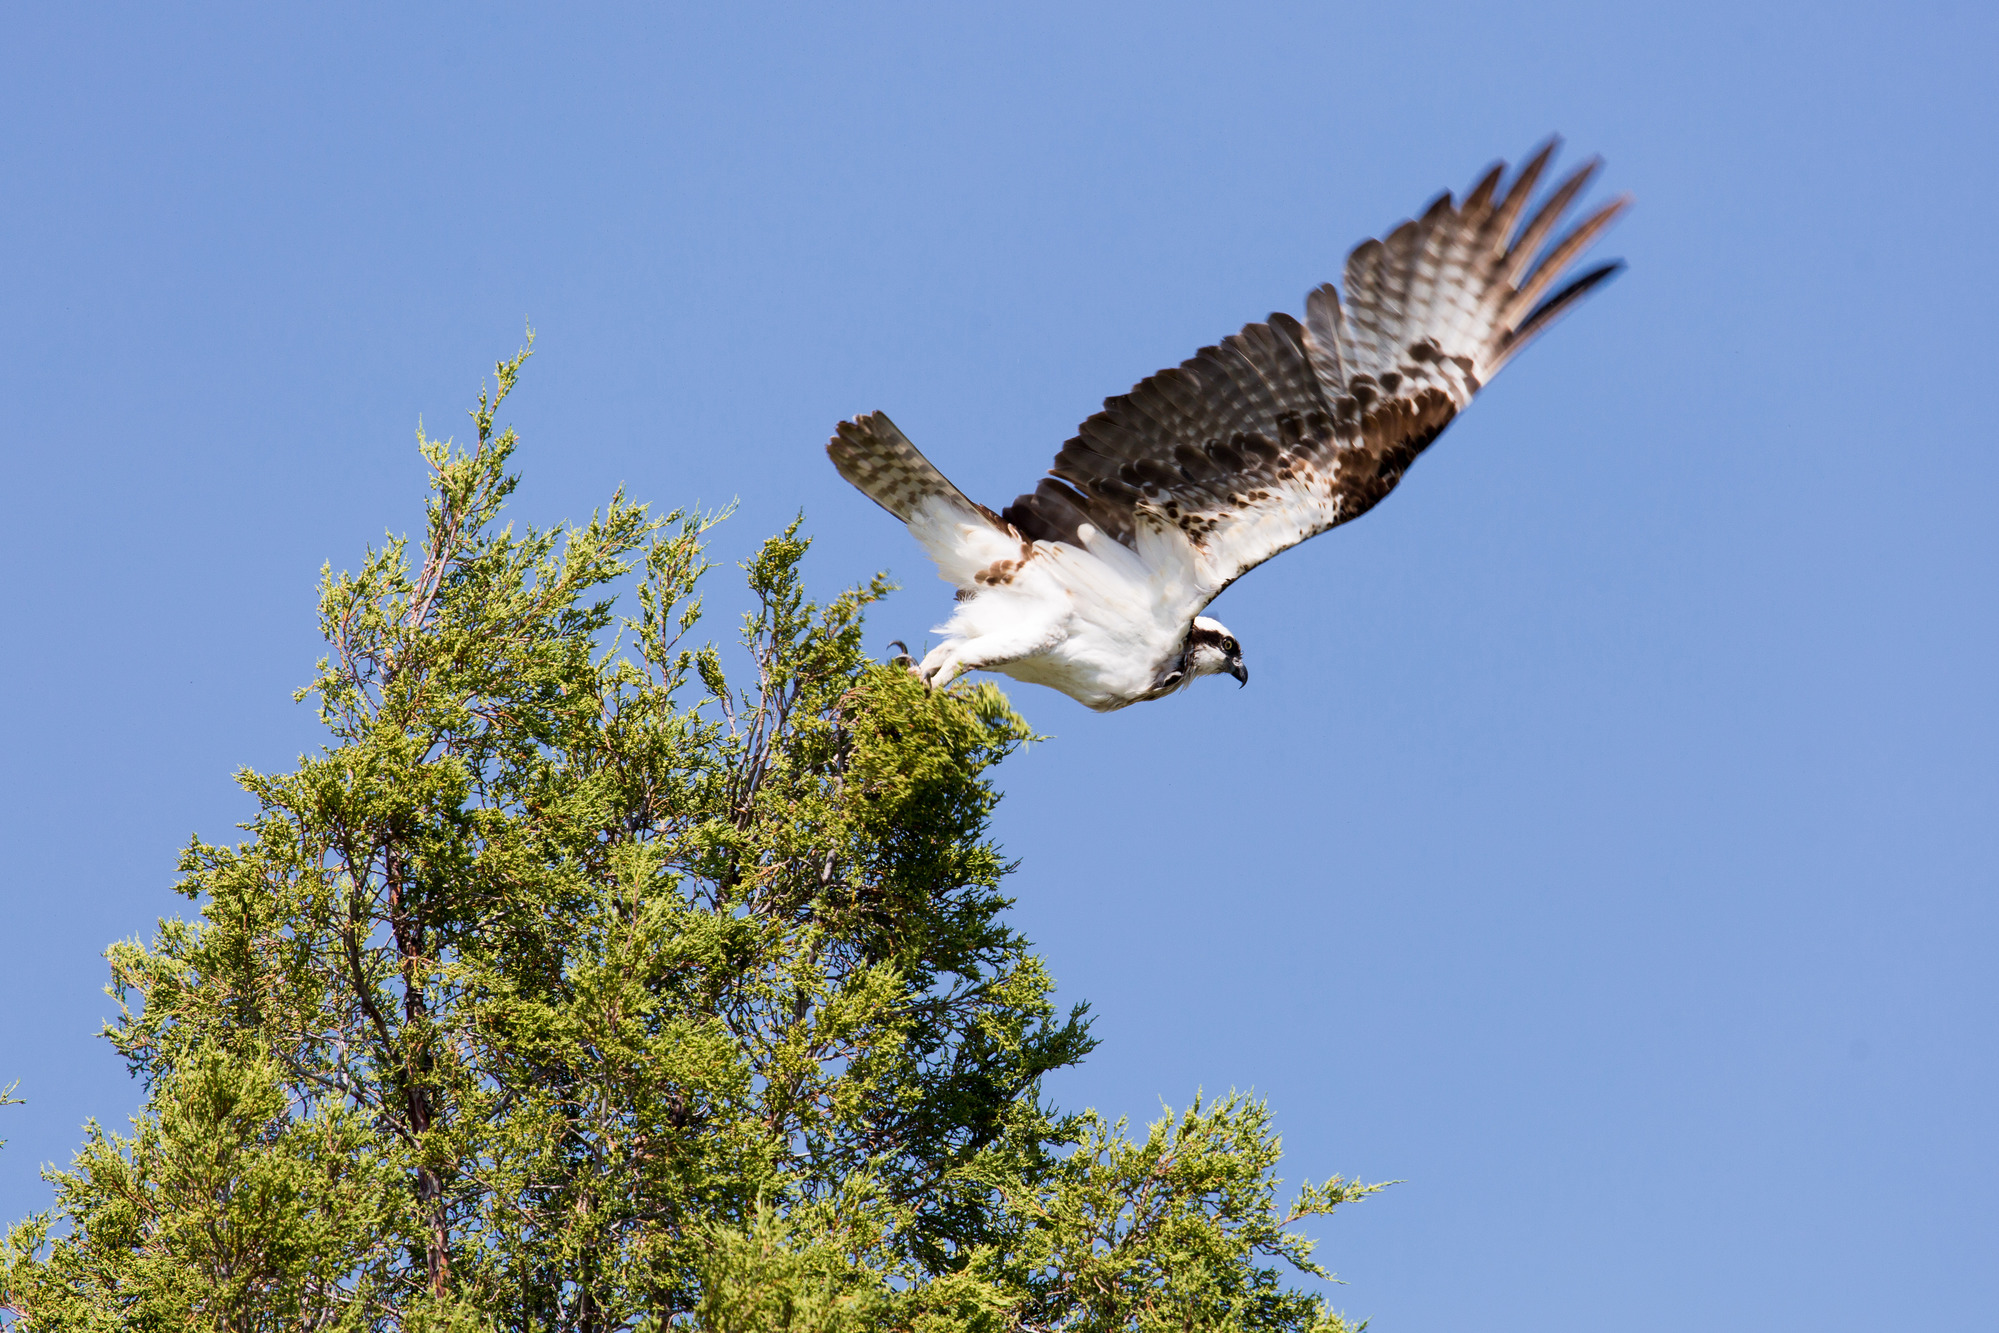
point(1239, 671)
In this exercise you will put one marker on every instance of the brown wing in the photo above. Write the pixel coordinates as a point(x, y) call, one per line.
point(1287, 429)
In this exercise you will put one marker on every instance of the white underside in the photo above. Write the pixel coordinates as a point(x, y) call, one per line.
point(1100, 623)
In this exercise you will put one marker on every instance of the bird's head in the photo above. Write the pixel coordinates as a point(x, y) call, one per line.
point(1212, 650)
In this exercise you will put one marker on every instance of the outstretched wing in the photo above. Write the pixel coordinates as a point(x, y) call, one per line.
point(1286, 429)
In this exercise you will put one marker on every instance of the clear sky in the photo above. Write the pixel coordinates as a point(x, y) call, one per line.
point(1605, 844)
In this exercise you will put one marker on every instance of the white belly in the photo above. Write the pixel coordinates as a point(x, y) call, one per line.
point(1075, 623)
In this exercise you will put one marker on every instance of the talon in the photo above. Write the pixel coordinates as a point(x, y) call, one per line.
point(902, 657)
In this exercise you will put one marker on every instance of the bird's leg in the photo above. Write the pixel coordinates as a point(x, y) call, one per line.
point(954, 657)
point(940, 665)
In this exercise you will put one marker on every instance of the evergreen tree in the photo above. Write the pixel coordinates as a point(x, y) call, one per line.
point(573, 986)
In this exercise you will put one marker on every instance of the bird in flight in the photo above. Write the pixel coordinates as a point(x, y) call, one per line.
point(1094, 582)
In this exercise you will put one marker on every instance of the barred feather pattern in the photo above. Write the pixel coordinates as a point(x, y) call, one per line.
point(884, 466)
point(1286, 429)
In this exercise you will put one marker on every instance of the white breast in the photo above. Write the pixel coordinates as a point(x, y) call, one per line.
point(1100, 622)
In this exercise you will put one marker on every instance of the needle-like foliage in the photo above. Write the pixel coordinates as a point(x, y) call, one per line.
point(575, 986)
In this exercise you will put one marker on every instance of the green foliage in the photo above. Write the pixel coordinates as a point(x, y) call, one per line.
point(573, 986)
point(1168, 1233)
point(221, 1202)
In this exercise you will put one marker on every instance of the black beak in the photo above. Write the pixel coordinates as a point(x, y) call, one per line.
point(1239, 671)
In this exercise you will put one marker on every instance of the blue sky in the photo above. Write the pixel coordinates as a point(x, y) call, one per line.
point(1605, 845)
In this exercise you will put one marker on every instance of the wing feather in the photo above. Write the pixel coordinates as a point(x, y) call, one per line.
point(1291, 427)
point(1326, 335)
point(1556, 261)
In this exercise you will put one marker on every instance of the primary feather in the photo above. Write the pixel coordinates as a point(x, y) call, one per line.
point(1092, 583)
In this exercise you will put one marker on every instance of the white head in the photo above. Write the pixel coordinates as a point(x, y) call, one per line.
point(1212, 650)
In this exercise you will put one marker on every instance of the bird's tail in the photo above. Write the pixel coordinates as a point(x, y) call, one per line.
point(967, 540)
point(881, 462)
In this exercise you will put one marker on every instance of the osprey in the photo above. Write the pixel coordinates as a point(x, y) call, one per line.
point(1093, 583)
